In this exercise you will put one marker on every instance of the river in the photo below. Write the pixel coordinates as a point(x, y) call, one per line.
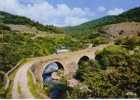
point(57, 88)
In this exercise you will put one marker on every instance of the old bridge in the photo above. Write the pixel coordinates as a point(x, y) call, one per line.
point(69, 61)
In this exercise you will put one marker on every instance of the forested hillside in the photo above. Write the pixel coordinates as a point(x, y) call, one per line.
point(6, 18)
point(92, 26)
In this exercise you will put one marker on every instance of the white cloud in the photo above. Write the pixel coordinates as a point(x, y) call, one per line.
point(61, 14)
point(101, 9)
point(73, 21)
point(115, 11)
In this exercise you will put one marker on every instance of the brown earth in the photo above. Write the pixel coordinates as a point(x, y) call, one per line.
point(125, 28)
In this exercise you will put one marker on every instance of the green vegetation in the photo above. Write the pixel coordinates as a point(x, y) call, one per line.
point(2, 91)
point(19, 89)
point(8, 92)
point(4, 27)
point(13, 19)
point(113, 56)
point(114, 74)
point(129, 42)
point(7, 18)
point(18, 46)
point(35, 88)
point(95, 25)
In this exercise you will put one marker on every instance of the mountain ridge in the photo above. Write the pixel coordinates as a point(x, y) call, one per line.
point(130, 15)
point(7, 18)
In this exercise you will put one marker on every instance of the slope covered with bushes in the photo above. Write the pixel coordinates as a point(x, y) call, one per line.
point(114, 74)
point(7, 18)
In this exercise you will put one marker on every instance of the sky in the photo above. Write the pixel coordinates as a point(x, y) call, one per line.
point(66, 12)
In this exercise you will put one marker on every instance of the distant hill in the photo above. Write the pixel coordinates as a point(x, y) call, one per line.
point(91, 26)
point(7, 19)
point(14, 19)
point(123, 28)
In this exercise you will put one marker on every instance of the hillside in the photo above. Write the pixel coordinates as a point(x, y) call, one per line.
point(91, 26)
point(124, 28)
point(22, 38)
point(11, 20)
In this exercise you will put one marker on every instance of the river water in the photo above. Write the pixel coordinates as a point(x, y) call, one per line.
point(57, 89)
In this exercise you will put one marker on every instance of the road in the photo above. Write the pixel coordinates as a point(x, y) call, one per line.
point(21, 80)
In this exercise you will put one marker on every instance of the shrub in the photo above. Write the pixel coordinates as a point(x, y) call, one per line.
point(130, 42)
point(113, 56)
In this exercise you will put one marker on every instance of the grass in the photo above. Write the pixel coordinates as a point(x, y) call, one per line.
point(2, 91)
point(35, 89)
point(48, 35)
point(19, 89)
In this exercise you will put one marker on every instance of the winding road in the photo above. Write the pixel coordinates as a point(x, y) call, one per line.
point(21, 80)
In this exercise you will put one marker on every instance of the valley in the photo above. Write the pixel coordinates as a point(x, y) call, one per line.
point(98, 59)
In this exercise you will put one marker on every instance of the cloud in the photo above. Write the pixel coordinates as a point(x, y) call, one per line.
point(45, 13)
point(115, 11)
point(101, 9)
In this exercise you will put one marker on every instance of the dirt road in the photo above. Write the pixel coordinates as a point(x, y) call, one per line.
point(20, 85)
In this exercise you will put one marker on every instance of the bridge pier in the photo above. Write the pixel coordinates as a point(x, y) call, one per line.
point(71, 69)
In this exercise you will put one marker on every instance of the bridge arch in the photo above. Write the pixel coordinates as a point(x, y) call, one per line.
point(50, 68)
point(58, 63)
point(83, 59)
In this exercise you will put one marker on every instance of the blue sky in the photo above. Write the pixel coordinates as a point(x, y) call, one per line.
point(93, 4)
point(66, 12)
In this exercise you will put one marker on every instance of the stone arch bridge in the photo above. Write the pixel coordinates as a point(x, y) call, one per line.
point(69, 61)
